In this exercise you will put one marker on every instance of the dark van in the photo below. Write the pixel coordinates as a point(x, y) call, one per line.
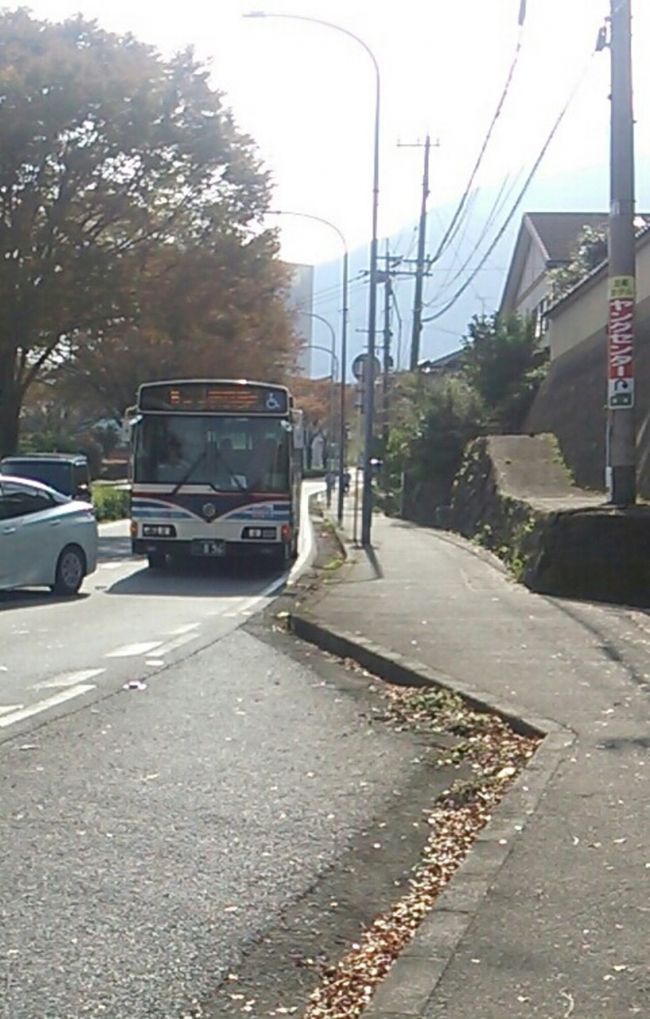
point(65, 472)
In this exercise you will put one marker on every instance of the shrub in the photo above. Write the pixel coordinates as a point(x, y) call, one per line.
point(111, 503)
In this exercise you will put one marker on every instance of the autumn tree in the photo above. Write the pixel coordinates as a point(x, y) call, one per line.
point(217, 310)
point(109, 155)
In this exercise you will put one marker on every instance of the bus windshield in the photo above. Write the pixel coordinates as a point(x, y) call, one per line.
point(228, 453)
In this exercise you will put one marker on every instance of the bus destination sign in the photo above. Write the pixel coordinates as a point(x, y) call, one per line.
point(214, 398)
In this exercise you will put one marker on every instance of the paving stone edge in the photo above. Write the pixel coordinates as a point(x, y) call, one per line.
point(413, 978)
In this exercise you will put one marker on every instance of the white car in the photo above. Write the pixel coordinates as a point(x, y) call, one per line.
point(46, 539)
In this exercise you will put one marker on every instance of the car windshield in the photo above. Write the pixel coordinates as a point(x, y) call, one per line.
point(249, 454)
point(56, 475)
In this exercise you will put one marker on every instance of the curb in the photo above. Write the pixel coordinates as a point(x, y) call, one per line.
point(412, 980)
point(401, 671)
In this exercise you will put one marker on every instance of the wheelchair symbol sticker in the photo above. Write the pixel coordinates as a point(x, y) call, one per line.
point(273, 402)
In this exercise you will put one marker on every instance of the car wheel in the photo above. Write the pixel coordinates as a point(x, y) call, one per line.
point(70, 571)
point(157, 560)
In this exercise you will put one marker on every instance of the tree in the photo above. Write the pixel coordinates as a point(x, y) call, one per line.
point(434, 417)
point(108, 154)
point(504, 364)
point(218, 310)
point(589, 251)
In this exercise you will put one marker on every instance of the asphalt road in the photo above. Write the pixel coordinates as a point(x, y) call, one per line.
point(149, 835)
point(128, 622)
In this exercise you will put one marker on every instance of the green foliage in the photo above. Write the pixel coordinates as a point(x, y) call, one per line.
point(434, 419)
point(504, 364)
point(589, 251)
point(110, 503)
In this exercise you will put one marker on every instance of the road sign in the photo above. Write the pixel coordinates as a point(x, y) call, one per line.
point(360, 366)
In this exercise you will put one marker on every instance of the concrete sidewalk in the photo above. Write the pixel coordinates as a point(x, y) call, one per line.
point(562, 927)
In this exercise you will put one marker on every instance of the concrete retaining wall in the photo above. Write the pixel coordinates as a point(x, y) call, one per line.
point(515, 496)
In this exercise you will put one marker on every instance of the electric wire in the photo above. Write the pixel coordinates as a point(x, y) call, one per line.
point(456, 220)
point(533, 170)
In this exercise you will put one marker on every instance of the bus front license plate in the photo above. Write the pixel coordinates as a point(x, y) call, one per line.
point(209, 548)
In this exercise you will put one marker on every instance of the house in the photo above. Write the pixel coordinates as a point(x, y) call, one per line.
point(545, 241)
point(581, 314)
point(571, 402)
point(448, 364)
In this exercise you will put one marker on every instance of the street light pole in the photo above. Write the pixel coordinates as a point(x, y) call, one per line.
point(366, 510)
point(344, 346)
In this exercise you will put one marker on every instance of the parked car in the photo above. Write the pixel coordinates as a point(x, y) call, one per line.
point(46, 539)
point(68, 473)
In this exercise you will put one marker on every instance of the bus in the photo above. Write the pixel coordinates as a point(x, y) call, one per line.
point(216, 471)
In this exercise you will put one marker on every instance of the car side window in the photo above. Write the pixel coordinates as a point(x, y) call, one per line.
point(22, 500)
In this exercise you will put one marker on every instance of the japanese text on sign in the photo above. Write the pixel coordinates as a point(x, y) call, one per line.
point(621, 286)
point(620, 345)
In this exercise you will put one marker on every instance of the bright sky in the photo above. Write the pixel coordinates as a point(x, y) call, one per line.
point(305, 93)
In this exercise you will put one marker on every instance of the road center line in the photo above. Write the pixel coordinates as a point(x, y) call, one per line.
point(49, 702)
point(6, 708)
point(68, 679)
point(130, 650)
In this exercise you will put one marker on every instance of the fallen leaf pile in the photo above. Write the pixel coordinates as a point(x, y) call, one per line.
point(495, 754)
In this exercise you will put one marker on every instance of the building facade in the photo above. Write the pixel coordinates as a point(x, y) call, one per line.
point(545, 241)
point(300, 301)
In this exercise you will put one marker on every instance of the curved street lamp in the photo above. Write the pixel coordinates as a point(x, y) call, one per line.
point(366, 510)
point(344, 342)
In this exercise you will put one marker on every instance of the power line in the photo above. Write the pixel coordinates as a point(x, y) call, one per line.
point(497, 205)
point(468, 282)
point(454, 225)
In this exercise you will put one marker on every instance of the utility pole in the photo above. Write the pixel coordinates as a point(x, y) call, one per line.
point(388, 294)
point(621, 432)
point(420, 264)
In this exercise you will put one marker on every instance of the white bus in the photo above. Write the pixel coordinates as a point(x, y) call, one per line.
point(216, 470)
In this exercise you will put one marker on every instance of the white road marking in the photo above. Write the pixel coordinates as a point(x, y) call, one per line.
point(172, 645)
point(130, 650)
point(251, 603)
point(228, 606)
point(184, 629)
point(50, 702)
point(306, 539)
point(68, 679)
point(6, 708)
point(113, 565)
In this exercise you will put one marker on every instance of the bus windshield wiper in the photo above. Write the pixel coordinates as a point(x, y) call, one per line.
point(188, 472)
point(193, 466)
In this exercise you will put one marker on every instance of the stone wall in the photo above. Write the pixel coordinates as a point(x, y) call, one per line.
point(514, 496)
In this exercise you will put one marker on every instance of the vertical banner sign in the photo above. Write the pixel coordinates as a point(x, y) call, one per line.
point(620, 343)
